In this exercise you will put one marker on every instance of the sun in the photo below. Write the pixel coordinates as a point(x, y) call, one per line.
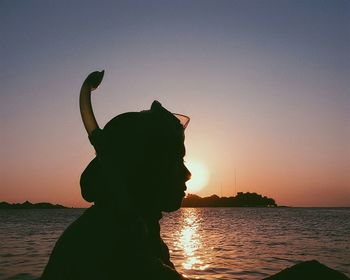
point(200, 176)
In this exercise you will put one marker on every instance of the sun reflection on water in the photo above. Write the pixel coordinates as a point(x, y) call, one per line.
point(189, 241)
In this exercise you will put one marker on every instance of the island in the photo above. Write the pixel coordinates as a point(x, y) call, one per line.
point(29, 205)
point(247, 199)
point(240, 200)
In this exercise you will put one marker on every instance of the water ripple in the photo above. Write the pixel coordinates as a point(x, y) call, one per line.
point(205, 243)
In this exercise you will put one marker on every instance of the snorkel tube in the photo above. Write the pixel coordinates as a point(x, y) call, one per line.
point(87, 114)
point(99, 175)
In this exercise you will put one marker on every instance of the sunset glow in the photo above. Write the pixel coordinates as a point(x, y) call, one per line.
point(199, 178)
point(265, 85)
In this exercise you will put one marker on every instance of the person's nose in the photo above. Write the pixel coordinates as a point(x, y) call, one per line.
point(188, 174)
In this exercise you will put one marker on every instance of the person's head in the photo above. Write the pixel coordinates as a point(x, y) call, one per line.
point(144, 150)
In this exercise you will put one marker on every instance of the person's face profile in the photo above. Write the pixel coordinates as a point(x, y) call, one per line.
point(173, 182)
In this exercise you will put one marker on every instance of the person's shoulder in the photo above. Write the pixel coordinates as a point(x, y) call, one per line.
point(92, 229)
point(94, 218)
point(85, 225)
point(80, 226)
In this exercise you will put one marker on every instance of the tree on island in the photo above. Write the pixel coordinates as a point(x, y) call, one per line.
point(240, 200)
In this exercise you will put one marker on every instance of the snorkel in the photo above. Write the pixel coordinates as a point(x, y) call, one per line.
point(121, 145)
point(87, 114)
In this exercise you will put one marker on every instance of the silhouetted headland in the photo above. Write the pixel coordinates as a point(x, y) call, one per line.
point(240, 200)
point(29, 205)
point(308, 270)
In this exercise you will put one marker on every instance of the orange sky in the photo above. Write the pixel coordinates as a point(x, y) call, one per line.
point(267, 90)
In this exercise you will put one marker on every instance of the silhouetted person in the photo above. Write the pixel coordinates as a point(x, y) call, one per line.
point(137, 173)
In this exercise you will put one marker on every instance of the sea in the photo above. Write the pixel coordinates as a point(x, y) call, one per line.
point(204, 243)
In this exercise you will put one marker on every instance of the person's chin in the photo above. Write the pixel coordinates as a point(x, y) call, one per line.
point(173, 205)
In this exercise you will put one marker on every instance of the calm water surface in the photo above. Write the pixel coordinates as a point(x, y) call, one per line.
point(205, 243)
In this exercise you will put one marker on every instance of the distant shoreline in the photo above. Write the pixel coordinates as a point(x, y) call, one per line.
point(29, 205)
point(247, 199)
point(191, 201)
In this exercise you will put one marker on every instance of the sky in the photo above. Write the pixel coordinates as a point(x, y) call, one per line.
point(265, 83)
